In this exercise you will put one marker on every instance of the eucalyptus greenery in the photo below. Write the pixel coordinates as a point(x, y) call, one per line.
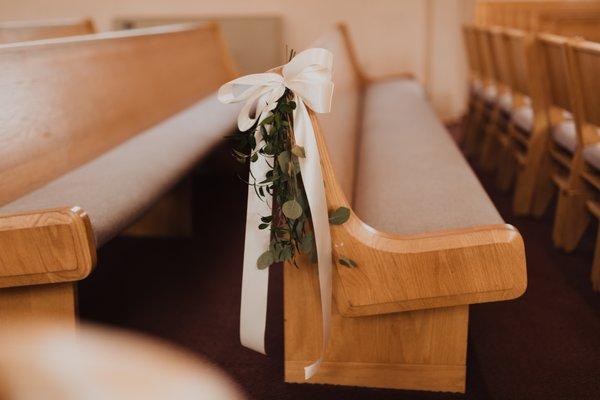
point(290, 226)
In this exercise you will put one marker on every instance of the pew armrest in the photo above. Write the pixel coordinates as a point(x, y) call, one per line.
point(47, 246)
point(403, 273)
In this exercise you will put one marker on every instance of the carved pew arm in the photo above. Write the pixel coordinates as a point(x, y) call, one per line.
point(44, 247)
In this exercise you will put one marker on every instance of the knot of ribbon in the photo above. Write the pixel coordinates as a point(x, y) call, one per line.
point(308, 77)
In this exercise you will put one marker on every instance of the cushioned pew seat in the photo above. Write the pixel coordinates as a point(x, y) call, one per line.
point(591, 154)
point(564, 134)
point(117, 187)
point(412, 178)
point(523, 118)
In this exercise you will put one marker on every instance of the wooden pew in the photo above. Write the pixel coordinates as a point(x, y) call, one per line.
point(426, 239)
point(582, 193)
point(475, 86)
point(17, 31)
point(96, 128)
point(528, 125)
point(569, 18)
point(494, 150)
point(478, 134)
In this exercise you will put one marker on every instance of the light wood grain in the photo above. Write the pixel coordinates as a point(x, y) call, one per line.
point(400, 318)
point(159, 72)
point(45, 247)
point(568, 18)
point(64, 102)
point(11, 32)
point(55, 302)
point(401, 273)
point(583, 185)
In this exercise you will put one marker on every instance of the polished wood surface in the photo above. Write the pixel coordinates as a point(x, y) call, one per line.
point(11, 32)
point(45, 247)
point(140, 78)
point(583, 185)
point(568, 18)
point(400, 318)
point(64, 102)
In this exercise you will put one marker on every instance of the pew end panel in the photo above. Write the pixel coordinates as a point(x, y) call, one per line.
point(400, 318)
point(19, 31)
point(43, 253)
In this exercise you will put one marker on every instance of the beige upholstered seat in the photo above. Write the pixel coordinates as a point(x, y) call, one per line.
point(591, 154)
point(505, 101)
point(117, 187)
point(488, 93)
point(523, 118)
point(564, 134)
point(412, 177)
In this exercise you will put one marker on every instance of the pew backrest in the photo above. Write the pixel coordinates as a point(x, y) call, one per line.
point(488, 66)
point(553, 52)
point(18, 31)
point(584, 65)
point(472, 51)
point(342, 124)
point(517, 54)
point(498, 50)
point(568, 18)
point(66, 101)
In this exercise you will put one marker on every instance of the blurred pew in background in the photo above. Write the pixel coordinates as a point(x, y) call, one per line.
point(255, 42)
point(19, 31)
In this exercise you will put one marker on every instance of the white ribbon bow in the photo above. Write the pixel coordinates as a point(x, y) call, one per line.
point(308, 76)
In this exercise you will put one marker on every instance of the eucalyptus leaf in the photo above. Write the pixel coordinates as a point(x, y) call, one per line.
point(265, 260)
point(291, 209)
point(339, 216)
point(284, 161)
point(347, 262)
point(299, 151)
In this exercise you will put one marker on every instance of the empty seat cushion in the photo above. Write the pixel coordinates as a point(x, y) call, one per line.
point(523, 118)
point(411, 176)
point(505, 101)
point(564, 134)
point(487, 92)
point(117, 187)
point(591, 154)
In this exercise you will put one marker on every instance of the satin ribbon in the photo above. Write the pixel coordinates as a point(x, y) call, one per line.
point(308, 76)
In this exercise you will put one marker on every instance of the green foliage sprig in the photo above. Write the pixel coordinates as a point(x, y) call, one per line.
point(290, 226)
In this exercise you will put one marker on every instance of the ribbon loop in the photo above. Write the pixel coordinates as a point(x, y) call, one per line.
point(308, 76)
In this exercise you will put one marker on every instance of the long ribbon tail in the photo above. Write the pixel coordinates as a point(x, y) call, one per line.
point(312, 177)
point(255, 282)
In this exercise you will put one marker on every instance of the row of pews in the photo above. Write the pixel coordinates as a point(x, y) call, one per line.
point(534, 110)
point(99, 127)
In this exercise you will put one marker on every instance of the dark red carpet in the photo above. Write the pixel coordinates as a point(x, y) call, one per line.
point(545, 345)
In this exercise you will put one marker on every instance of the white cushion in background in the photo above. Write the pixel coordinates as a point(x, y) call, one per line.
point(490, 93)
point(505, 101)
point(477, 86)
point(411, 176)
point(591, 154)
point(523, 118)
point(565, 135)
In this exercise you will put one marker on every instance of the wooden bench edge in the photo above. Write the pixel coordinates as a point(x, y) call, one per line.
point(496, 270)
point(46, 246)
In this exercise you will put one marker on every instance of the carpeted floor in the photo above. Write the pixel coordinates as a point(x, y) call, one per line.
point(545, 345)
